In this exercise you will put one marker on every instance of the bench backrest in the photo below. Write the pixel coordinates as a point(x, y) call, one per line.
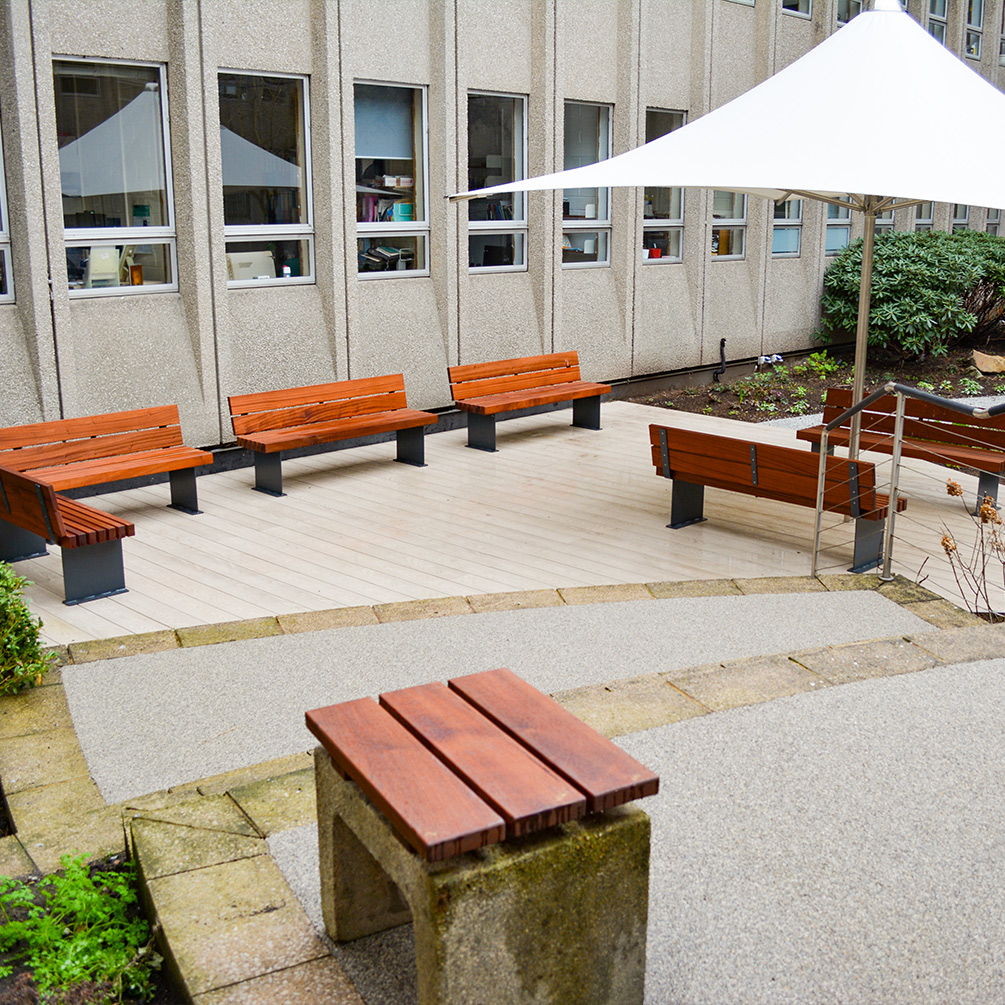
point(30, 505)
point(303, 406)
point(764, 469)
point(473, 380)
point(922, 421)
point(64, 441)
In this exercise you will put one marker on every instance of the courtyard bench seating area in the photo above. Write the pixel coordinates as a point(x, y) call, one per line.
point(269, 422)
point(408, 786)
point(484, 390)
point(695, 460)
point(114, 446)
point(931, 433)
point(32, 515)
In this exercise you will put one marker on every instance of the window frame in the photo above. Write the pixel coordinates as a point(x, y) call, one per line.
point(845, 20)
point(734, 223)
point(518, 227)
point(75, 237)
point(670, 225)
point(941, 20)
point(601, 226)
point(838, 218)
point(974, 30)
point(807, 14)
point(992, 223)
point(419, 229)
point(251, 233)
point(5, 252)
point(961, 221)
point(793, 223)
point(922, 222)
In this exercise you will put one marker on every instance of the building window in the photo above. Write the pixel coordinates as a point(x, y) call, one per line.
point(663, 208)
point(994, 220)
point(114, 166)
point(937, 19)
point(1001, 44)
point(924, 214)
point(885, 221)
point(801, 7)
point(847, 9)
point(975, 28)
point(265, 157)
point(6, 281)
point(586, 212)
point(392, 213)
point(497, 153)
point(838, 227)
point(961, 217)
point(729, 224)
point(786, 234)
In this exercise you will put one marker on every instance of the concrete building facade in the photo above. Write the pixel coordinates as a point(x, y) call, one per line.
point(132, 130)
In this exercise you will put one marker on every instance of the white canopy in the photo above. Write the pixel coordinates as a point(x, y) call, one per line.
point(859, 114)
point(247, 165)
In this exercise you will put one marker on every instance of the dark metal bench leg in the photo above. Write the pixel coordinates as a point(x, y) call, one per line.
point(412, 446)
point(586, 412)
point(184, 495)
point(269, 473)
point(868, 552)
point(92, 572)
point(17, 544)
point(481, 431)
point(987, 485)
point(815, 448)
point(687, 504)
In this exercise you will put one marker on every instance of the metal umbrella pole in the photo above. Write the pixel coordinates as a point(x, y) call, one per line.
point(862, 329)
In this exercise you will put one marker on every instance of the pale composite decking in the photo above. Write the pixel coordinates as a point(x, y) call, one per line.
point(556, 506)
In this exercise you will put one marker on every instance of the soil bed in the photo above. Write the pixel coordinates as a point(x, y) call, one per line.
point(798, 386)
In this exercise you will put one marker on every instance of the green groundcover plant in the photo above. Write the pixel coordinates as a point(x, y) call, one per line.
point(79, 934)
point(929, 290)
point(22, 661)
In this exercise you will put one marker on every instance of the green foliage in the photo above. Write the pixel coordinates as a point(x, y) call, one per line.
point(22, 662)
point(819, 363)
point(929, 290)
point(970, 387)
point(924, 385)
point(82, 934)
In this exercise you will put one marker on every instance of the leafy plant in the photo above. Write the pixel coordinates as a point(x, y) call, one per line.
point(929, 290)
point(947, 387)
point(22, 661)
point(970, 387)
point(924, 385)
point(799, 407)
point(819, 363)
point(78, 930)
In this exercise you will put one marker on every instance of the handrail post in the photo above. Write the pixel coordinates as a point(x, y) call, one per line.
point(898, 439)
point(821, 484)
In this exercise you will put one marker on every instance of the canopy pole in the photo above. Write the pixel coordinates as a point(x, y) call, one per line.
point(862, 330)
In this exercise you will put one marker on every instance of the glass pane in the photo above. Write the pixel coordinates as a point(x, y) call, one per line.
point(98, 266)
point(580, 246)
point(495, 154)
point(837, 238)
point(785, 241)
point(975, 13)
point(924, 211)
point(490, 251)
point(797, 6)
point(389, 154)
point(728, 206)
point(4, 262)
point(791, 209)
point(974, 44)
point(587, 140)
point(838, 212)
point(262, 148)
point(662, 245)
point(111, 145)
point(993, 228)
point(728, 241)
point(847, 9)
point(387, 253)
point(662, 203)
point(994, 215)
point(937, 8)
point(937, 29)
point(265, 259)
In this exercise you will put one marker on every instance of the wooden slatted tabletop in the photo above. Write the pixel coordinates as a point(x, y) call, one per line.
point(467, 765)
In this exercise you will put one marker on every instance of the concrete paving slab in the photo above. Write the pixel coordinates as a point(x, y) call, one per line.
point(743, 682)
point(842, 664)
point(157, 720)
point(35, 711)
point(310, 983)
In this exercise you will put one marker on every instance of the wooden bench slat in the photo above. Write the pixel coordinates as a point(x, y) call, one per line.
point(61, 430)
point(428, 805)
point(30, 506)
point(117, 468)
point(319, 412)
point(604, 773)
point(505, 383)
point(490, 404)
point(528, 795)
point(291, 397)
point(289, 439)
point(522, 364)
point(77, 451)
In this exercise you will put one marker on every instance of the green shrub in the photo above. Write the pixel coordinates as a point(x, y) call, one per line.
point(929, 290)
point(79, 930)
point(22, 662)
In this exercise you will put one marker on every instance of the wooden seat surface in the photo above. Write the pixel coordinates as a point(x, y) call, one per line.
point(467, 765)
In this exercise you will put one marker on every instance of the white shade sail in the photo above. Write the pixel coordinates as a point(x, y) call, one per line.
point(857, 115)
point(247, 165)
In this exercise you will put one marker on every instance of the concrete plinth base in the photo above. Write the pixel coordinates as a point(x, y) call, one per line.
point(556, 917)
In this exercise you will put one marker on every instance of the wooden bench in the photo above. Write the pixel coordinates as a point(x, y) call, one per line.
point(931, 433)
point(695, 460)
point(32, 515)
point(272, 421)
point(95, 449)
point(483, 390)
point(411, 787)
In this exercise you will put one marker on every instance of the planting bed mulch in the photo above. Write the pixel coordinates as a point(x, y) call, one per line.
point(797, 386)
